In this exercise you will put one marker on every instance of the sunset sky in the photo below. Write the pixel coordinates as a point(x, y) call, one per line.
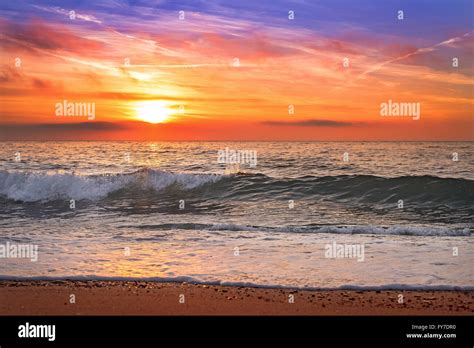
point(155, 76)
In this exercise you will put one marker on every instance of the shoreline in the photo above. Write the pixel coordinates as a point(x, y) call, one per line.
point(54, 297)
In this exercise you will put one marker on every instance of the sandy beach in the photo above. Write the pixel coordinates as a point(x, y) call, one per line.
point(153, 298)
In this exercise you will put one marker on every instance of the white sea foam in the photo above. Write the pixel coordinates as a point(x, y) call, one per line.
point(359, 229)
point(192, 280)
point(36, 186)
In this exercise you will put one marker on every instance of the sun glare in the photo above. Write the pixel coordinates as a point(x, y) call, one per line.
point(155, 111)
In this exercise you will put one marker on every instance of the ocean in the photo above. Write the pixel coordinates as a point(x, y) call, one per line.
point(395, 215)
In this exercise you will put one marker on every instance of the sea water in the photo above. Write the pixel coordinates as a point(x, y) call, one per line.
point(174, 211)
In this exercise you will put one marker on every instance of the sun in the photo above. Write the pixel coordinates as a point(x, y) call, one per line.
point(154, 111)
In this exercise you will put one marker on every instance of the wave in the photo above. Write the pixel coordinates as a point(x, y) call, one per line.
point(31, 187)
point(422, 190)
point(35, 186)
point(192, 280)
point(349, 229)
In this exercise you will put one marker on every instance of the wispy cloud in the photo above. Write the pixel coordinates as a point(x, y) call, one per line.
point(432, 48)
point(312, 123)
point(68, 13)
point(84, 126)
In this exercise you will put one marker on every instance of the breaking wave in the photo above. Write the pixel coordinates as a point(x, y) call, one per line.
point(348, 229)
point(31, 187)
point(35, 186)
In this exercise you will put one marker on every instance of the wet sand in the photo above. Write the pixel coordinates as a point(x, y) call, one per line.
point(152, 298)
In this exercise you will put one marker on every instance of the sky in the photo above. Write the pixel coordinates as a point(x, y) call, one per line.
point(236, 70)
